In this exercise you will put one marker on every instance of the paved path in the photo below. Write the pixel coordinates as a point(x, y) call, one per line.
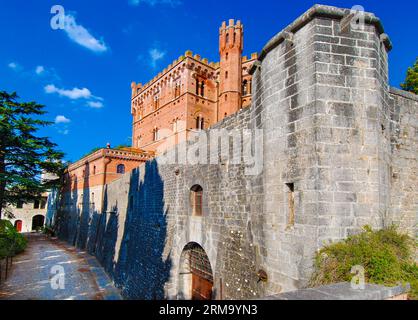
point(31, 274)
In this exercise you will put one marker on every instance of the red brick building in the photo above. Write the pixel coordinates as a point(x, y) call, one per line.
point(191, 94)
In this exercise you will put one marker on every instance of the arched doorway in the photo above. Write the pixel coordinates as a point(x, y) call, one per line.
point(37, 222)
point(195, 276)
point(18, 225)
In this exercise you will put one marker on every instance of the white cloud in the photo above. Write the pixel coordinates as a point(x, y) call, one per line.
point(156, 55)
point(72, 94)
point(64, 132)
point(152, 3)
point(61, 119)
point(15, 66)
point(82, 36)
point(76, 94)
point(95, 104)
point(39, 70)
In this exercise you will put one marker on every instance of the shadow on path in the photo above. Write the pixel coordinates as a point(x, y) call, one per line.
point(32, 271)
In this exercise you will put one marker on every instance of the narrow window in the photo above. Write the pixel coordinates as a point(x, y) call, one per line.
point(196, 200)
point(227, 38)
point(245, 87)
point(43, 203)
point(120, 169)
point(202, 89)
point(36, 204)
point(19, 205)
point(94, 170)
point(227, 56)
point(198, 123)
point(156, 134)
point(197, 87)
point(226, 74)
point(291, 204)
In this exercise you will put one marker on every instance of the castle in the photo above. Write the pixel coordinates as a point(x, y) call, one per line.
point(339, 152)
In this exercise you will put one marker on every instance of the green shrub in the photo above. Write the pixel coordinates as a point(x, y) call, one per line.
point(11, 241)
point(386, 255)
point(48, 231)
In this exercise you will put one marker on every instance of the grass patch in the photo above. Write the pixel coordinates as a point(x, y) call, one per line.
point(386, 255)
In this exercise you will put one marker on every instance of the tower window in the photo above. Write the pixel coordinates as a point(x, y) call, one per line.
point(19, 205)
point(202, 89)
point(177, 90)
point(226, 74)
point(245, 87)
point(36, 204)
point(196, 200)
point(200, 123)
point(291, 204)
point(156, 134)
point(197, 87)
point(156, 102)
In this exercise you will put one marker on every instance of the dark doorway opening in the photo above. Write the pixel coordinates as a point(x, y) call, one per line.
point(37, 222)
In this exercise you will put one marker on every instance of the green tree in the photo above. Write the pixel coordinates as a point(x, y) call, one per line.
point(411, 81)
point(23, 155)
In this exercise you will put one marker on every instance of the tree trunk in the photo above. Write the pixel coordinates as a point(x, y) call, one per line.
point(2, 183)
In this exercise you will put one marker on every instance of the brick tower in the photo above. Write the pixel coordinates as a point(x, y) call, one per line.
point(230, 49)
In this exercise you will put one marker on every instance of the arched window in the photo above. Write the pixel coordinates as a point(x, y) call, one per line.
point(156, 134)
point(244, 87)
point(200, 123)
point(196, 200)
point(156, 102)
point(197, 87)
point(202, 89)
point(177, 90)
point(227, 38)
point(120, 169)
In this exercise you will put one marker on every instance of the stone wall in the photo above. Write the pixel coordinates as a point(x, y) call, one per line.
point(338, 151)
point(404, 165)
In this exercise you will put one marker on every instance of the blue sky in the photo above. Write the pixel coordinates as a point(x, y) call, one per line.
point(83, 74)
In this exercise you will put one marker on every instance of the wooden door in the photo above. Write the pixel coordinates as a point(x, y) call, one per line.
point(201, 288)
point(18, 225)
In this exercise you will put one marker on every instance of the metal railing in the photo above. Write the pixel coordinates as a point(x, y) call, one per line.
point(5, 266)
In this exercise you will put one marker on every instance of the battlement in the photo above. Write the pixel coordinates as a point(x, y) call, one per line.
point(137, 89)
point(254, 56)
point(231, 24)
